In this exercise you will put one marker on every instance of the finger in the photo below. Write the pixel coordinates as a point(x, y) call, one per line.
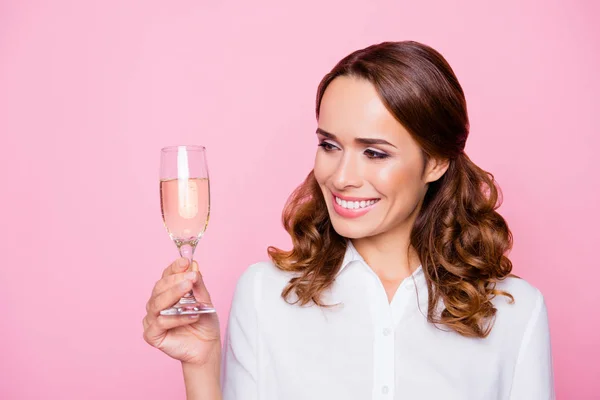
point(155, 332)
point(166, 322)
point(200, 291)
point(172, 280)
point(176, 266)
point(167, 298)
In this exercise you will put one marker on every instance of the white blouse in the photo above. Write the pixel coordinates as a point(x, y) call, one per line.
point(368, 348)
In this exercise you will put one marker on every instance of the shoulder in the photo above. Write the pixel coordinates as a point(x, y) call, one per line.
point(261, 278)
point(527, 308)
point(526, 295)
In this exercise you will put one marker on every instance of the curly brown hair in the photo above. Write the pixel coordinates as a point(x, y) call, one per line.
point(460, 237)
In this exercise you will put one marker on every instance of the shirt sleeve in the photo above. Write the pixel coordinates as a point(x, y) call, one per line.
point(239, 375)
point(534, 378)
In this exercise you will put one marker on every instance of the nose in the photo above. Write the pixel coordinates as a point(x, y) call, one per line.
point(347, 173)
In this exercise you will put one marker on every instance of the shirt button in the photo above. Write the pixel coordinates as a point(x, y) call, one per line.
point(387, 331)
point(385, 390)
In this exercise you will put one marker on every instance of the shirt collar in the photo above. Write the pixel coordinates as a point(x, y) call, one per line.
point(352, 255)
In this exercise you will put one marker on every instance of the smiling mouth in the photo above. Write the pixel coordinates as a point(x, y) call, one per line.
point(354, 204)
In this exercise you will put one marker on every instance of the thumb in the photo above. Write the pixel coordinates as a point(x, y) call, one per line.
point(199, 288)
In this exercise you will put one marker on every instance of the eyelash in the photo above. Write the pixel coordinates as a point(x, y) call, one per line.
point(326, 146)
point(371, 154)
point(375, 155)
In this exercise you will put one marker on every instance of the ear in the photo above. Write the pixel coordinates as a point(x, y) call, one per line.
point(435, 169)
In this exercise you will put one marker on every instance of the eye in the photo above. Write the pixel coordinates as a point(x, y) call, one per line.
point(327, 146)
point(376, 155)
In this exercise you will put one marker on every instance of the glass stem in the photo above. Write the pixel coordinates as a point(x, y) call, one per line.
point(187, 250)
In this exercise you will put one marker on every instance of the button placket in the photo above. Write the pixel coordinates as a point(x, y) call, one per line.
point(383, 343)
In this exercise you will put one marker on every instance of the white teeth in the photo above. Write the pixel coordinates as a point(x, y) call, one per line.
point(354, 205)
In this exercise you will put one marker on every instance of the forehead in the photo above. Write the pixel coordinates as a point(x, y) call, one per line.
point(351, 107)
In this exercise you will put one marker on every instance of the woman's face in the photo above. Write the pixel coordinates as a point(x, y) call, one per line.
point(368, 167)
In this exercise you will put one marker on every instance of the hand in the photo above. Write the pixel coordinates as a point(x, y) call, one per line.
point(194, 340)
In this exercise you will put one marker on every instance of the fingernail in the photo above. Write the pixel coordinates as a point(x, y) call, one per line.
point(190, 275)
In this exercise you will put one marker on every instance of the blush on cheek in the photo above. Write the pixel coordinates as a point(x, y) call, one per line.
point(397, 178)
point(319, 170)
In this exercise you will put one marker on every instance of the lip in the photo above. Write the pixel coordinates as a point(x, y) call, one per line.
point(346, 213)
point(353, 198)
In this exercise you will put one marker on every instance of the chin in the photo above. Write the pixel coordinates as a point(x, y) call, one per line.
point(350, 230)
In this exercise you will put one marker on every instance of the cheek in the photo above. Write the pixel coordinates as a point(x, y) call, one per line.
point(321, 168)
point(396, 179)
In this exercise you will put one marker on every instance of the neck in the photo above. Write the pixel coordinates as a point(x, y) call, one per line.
point(390, 254)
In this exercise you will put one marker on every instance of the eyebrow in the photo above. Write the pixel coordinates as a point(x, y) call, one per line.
point(366, 141)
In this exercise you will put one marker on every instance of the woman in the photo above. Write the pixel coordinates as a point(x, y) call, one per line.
point(397, 286)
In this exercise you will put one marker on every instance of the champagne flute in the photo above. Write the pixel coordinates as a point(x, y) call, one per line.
point(185, 205)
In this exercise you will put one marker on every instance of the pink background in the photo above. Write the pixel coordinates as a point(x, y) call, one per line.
point(90, 91)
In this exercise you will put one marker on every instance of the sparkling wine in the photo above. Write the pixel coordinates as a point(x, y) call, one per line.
point(185, 205)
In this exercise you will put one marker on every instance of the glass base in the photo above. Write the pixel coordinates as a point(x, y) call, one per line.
point(188, 306)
